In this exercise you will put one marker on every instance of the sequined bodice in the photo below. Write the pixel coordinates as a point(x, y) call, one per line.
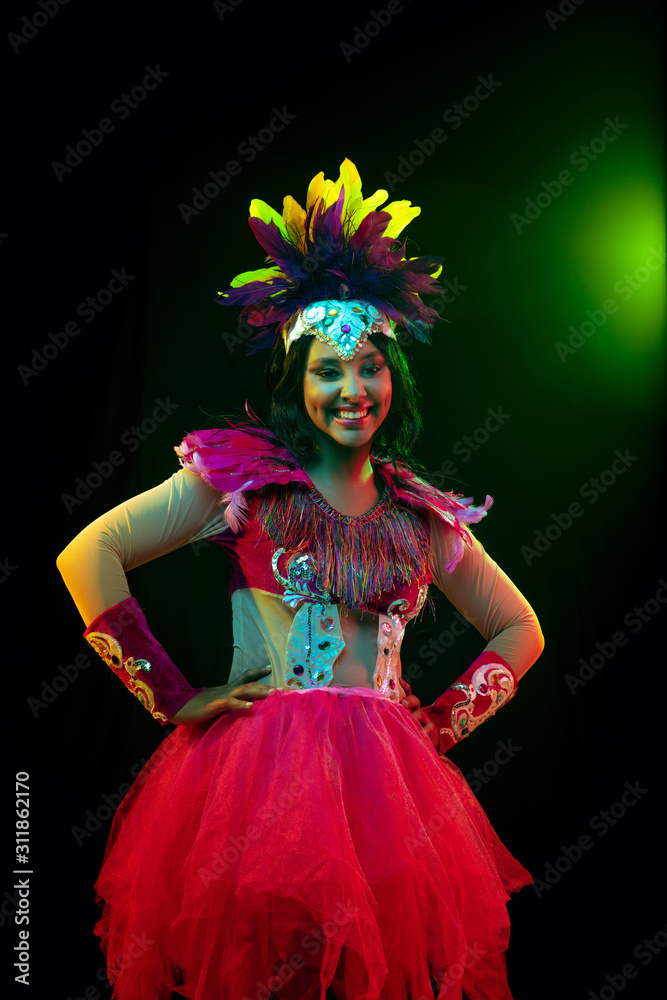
point(333, 560)
point(315, 639)
point(317, 591)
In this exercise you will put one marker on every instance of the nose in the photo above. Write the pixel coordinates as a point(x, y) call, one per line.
point(353, 387)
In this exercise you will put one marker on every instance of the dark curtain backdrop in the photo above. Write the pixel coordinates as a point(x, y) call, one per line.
point(531, 137)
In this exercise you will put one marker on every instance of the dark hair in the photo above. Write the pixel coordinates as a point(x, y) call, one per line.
point(288, 419)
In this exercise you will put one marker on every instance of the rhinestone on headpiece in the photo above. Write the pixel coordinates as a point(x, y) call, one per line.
point(344, 325)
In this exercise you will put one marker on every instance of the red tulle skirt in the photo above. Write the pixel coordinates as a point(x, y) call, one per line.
point(314, 842)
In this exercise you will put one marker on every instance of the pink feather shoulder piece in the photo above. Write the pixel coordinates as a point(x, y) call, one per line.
point(452, 508)
point(237, 460)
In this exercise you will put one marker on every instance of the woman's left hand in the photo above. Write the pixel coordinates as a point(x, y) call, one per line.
point(408, 699)
point(413, 704)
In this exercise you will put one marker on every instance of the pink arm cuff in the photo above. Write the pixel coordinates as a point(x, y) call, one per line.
point(122, 638)
point(478, 694)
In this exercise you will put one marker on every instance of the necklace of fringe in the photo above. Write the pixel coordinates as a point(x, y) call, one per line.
point(358, 558)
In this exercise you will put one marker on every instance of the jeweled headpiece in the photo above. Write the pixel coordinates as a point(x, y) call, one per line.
point(337, 269)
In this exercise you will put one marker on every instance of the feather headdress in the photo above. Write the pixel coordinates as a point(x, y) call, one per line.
point(339, 247)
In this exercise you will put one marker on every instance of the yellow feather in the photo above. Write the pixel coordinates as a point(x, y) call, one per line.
point(369, 204)
point(324, 191)
point(260, 210)
point(349, 177)
point(315, 190)
point(361, 209)
point(330, 196)
point(294, 217)
point(356, 207)
point(261, 274)
point(401, 214)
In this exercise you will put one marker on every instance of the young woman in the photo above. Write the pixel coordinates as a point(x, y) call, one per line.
point(301, 833)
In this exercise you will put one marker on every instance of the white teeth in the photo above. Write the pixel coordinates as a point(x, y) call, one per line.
point(347, 415)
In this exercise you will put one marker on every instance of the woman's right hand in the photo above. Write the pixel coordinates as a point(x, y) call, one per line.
point(239, 693)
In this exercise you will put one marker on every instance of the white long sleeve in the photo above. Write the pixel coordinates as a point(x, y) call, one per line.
point(181, 510)
point(487, 598)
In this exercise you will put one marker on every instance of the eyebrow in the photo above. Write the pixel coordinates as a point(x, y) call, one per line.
point(334, 359)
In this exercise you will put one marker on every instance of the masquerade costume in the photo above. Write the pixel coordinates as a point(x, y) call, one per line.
point(317, 840)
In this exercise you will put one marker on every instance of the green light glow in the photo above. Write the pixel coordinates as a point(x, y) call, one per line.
point(618, 248)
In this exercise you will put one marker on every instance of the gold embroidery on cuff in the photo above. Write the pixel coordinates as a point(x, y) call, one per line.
point(112, 653)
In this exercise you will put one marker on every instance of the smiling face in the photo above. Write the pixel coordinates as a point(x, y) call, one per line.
point(347, 400)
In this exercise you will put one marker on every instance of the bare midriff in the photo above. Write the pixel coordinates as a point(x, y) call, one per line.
point(356, 664)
